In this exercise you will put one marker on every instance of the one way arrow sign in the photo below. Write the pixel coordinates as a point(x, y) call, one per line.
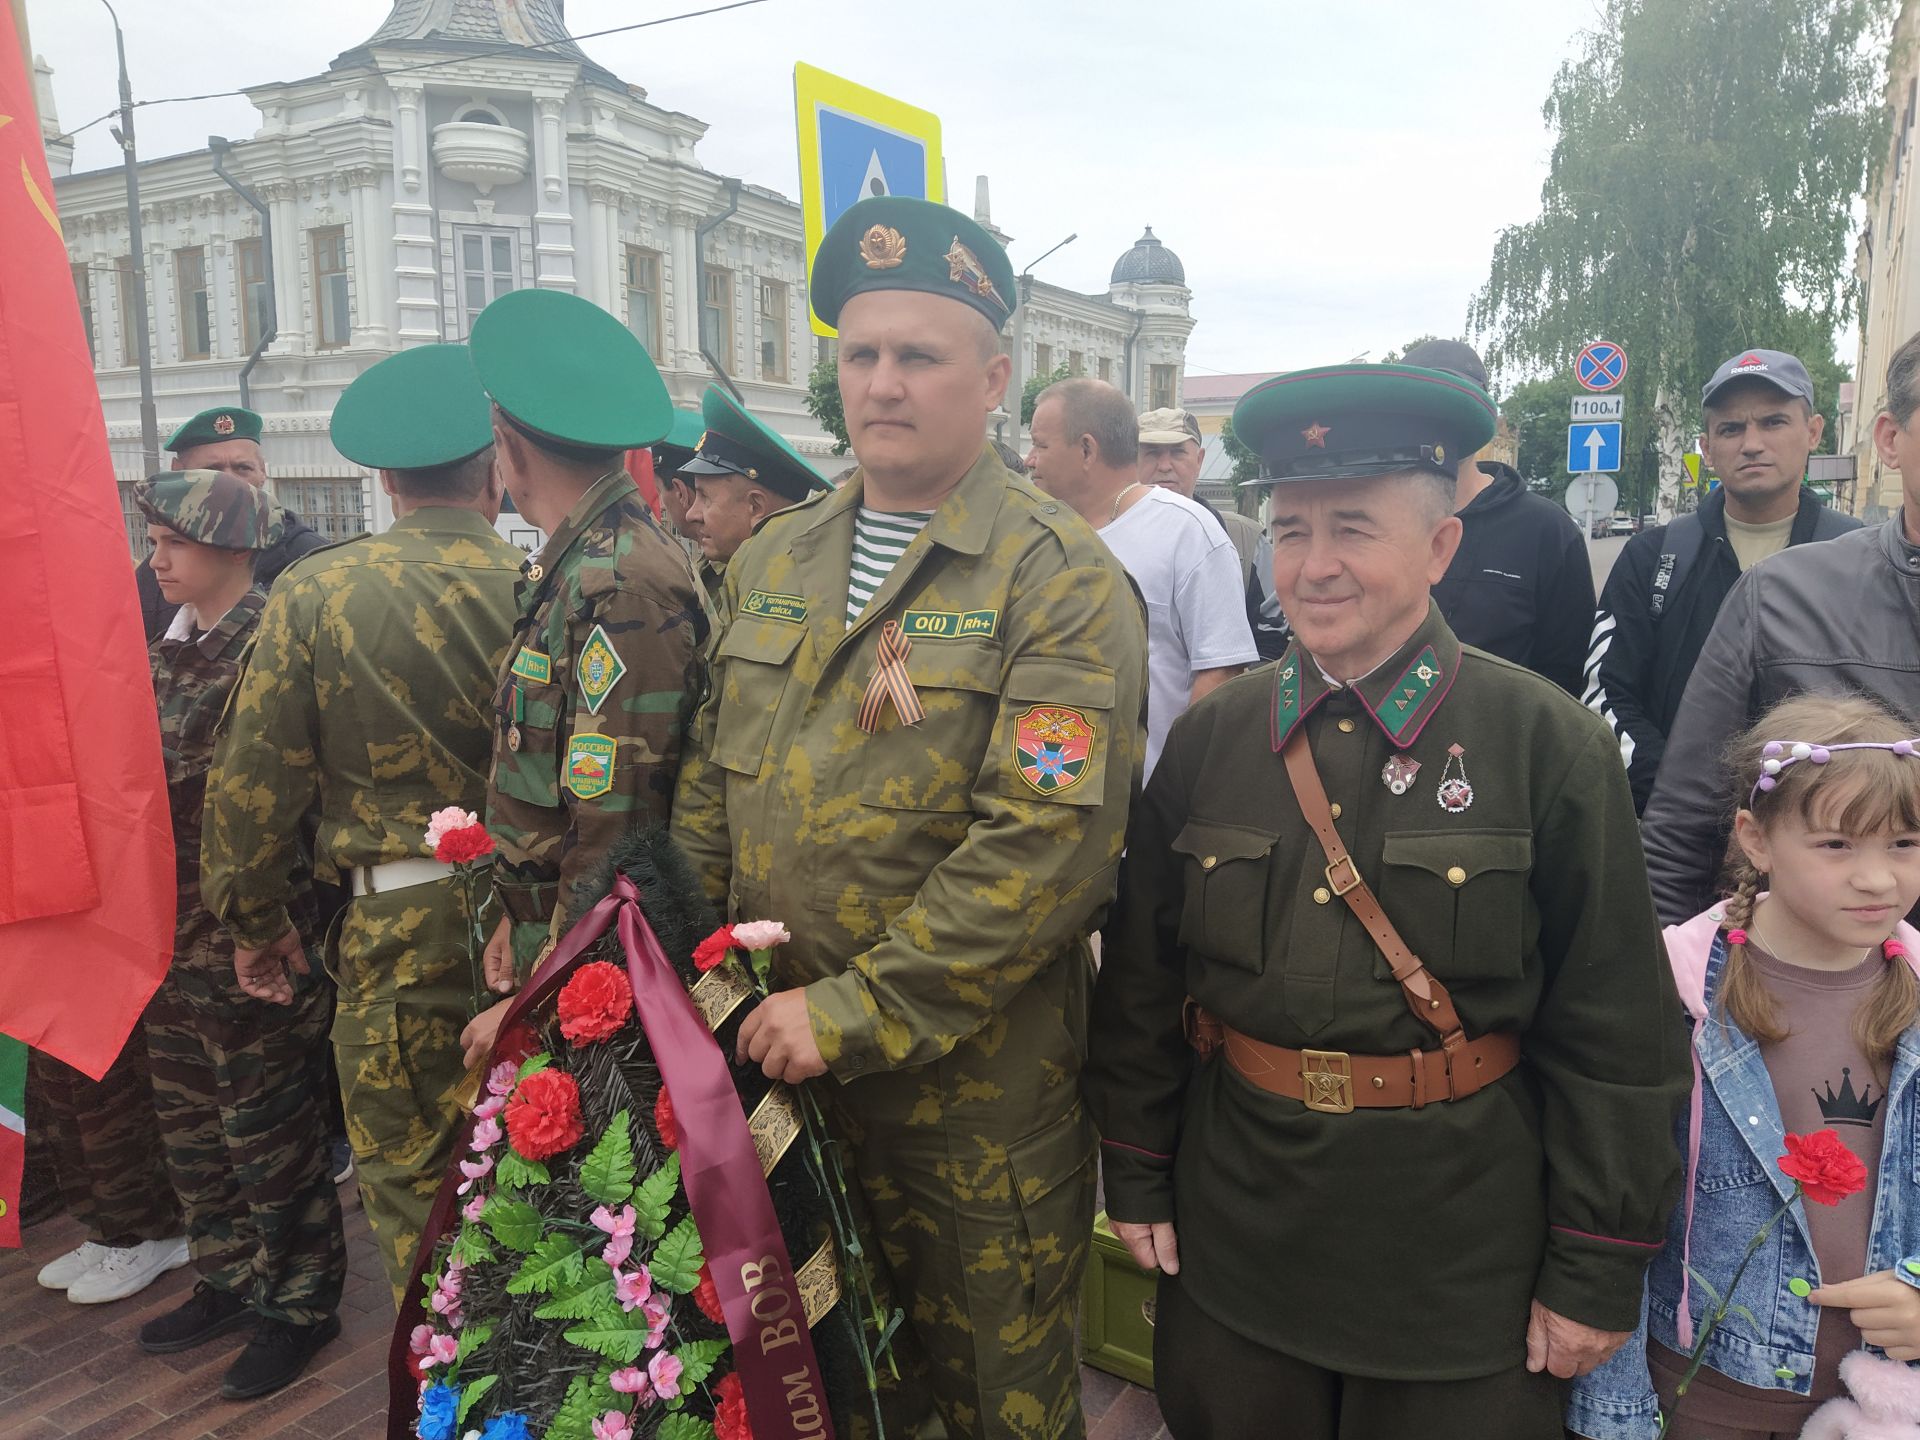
point(1593, 448)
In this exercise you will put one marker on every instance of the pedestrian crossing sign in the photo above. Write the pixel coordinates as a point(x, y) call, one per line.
point(856, 143)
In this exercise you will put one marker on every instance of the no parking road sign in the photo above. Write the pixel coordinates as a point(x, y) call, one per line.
point(1600, 365)
point(856, 143)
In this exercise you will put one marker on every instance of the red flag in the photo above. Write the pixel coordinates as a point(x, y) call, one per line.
point(86, 847)
point(640, 467)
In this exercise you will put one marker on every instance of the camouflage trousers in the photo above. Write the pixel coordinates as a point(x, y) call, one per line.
point(105, 1142)
point(406, 993)
point(985, 1244)
point(239, 1087)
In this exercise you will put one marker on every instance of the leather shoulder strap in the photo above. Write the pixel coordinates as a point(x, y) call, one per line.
point(1426, 997)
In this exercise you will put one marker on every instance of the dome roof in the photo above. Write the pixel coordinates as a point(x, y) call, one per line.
point(1149, 262)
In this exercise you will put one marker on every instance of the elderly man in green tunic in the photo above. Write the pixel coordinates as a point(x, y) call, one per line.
point(362, 712)
point(1384, 1053)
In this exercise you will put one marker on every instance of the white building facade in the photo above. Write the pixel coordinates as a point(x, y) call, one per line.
point(427, 171)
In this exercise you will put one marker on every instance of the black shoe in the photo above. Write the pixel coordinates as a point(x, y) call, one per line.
point(340, 1158)
point(275, 1357)
point(206, 1313)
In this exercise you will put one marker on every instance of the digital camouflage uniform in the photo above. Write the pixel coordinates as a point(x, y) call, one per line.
point(239, 1084)
point(363, 709)
point(940, 885)
point(592, 703)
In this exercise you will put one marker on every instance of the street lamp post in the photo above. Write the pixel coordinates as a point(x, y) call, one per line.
point(143, 346)
point(1016, 381)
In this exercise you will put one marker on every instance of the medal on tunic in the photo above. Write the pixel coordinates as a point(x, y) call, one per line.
point(536, 572)
point(513, 737)
point(1398, 773)
point(1456, 791)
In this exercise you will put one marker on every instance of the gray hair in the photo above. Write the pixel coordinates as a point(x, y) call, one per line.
point(1436, 492)
point(1093, 407)
point(1903, 382)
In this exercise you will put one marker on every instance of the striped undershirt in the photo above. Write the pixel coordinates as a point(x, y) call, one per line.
point(880, 538)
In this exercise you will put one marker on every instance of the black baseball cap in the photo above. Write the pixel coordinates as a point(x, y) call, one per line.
point(1779, 369)
point(1454, 356)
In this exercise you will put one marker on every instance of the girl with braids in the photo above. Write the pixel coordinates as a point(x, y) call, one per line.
point(1804, 991)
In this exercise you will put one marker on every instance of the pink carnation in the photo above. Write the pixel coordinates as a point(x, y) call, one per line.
point(664, 1370)
point(444, 822)
point(760, 934)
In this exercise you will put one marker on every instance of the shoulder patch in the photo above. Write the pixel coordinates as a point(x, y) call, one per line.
point(774, 607)
point(590, 765)
point(599, 667)
point(530, 664)
point(1053, 747)
point(949, 624)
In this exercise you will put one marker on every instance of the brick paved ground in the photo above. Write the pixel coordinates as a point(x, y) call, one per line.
point(74, 1371)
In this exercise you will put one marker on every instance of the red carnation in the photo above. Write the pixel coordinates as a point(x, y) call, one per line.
point(707, 1297)
point(712, 950)
point(595, 1003)
point(543, 1117)
point(462, 846)
point(663, 1121)
point(730, 1420)
point(1827, 1170)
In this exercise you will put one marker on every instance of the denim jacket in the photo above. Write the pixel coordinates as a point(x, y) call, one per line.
point(1733, 1186)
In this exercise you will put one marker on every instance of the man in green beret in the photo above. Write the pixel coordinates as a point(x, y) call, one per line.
point(239, 1085)
point(603, 668)
point(920, 741)
point(1413, 1179)
point(227, 438)
point(362, 713)
point(741, 472)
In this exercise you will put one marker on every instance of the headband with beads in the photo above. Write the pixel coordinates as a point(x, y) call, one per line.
point(1779, 754)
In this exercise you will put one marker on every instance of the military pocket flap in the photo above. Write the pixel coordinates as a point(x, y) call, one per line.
point(1048, 680)
point(1051, 1156)
point(954, 665)
point(769, 642)
point(1210, 842)
point(1458, 856)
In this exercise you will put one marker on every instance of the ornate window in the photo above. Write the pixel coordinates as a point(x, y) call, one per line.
point(196, 314)
point(333, 316)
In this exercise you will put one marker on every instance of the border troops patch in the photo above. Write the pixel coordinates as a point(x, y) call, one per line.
point(590, 766)
point(600, 669)
point(1052, 748)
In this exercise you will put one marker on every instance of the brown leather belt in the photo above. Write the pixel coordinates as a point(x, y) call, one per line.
point(1335, 1082)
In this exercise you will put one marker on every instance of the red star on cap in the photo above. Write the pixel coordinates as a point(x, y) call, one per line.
point(1316, 435)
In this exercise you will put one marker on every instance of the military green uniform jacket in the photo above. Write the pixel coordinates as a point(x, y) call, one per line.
point(593, 699)
point(929, 872)
point(1398, 1243)
point(364, 706)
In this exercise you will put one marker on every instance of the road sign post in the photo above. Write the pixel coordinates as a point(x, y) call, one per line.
point(855, 143)
point(1588, 498)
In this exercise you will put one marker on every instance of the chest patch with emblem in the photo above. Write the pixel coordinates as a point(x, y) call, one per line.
point(530, 664)
point(1053, 748)
point(949, 624)
point(774, 607)
point(590, 765)
point(600, 668)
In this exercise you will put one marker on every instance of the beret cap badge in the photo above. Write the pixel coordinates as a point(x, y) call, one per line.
point(964, 266)
point(883, 248)
point(223, 424)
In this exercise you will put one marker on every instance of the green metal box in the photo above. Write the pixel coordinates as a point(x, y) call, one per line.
point(1116, 1318)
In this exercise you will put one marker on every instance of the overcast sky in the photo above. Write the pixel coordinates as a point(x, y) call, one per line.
point(1332, 176)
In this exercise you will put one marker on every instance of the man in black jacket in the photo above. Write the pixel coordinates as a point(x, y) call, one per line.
point(226, 438)
point(1669, 583)
point(1520, 585)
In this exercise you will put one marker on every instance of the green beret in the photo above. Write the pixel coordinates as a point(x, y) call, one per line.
point(565, 370)
point(737, 444)
point(414, 410)
point(677, 446)
point(210, 507)
point(1348, 422)
point(212, 427)
point(893, 242)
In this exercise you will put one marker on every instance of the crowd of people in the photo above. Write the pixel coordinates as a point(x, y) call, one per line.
point(1384, 1062)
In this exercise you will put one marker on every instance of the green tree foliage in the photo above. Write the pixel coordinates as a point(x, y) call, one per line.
point(823, 403)
point(1246, 464)
point(1537, 410)
point(1030, 391)
point(1707, 157)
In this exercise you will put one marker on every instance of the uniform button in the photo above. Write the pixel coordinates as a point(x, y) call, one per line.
point(1335, 809)
point(1209, 862)
point(1049, 509)
point(535, 572)
point(858, 1062)
point(1346, 727)
point(1379, 1083)
point(1456, 876)
point(1322, 895)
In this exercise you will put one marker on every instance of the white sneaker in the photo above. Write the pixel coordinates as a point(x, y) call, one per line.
point(128, 1271)
point(59, 1274)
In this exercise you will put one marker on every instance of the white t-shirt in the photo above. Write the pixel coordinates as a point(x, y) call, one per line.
point(1189, 573)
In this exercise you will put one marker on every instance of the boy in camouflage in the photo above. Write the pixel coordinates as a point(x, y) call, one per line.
point(238, 1084)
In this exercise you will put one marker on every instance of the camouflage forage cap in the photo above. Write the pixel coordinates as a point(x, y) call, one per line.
point(676, 447)
point(211, 427)
point(737, 444)
point(1349, 422)
point(414, 410)
point(892, 242)
point(565, 370)
point(210, 507)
